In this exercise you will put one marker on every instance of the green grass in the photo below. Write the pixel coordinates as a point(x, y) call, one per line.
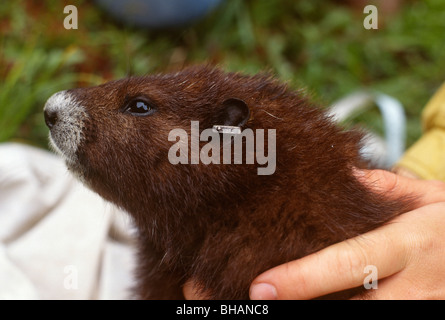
point(319, 44)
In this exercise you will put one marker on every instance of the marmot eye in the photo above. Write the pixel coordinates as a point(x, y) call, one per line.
point(138, 107)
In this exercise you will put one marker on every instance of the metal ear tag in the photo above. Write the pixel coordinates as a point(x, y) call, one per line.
point(226, 129)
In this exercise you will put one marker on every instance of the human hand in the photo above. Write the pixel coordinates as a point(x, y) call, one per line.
point(408, 253)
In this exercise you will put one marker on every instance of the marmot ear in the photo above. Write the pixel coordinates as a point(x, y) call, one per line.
point(234, 112)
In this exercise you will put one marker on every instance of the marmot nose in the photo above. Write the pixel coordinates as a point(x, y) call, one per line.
point(50, 117)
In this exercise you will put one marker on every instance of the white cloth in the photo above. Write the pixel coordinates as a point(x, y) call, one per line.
point(58, 240)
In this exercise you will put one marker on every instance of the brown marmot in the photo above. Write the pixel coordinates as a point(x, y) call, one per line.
point(203, 210)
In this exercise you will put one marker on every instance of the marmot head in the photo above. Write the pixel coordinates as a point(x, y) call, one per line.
point(117, 137)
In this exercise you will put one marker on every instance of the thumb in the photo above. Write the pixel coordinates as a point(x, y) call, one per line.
point(335, 268)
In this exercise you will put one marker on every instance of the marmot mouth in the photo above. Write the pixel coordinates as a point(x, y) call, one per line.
point(65, 118)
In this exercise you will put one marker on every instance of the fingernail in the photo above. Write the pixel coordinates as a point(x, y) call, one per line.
point(263, 291)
